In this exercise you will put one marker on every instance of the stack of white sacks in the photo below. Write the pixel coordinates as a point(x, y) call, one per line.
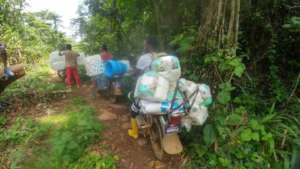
point(94, 65)
point(57, 61)
point(156, 90)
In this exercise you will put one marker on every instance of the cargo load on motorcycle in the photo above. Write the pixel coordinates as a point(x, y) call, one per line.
point(164, 104)
point(161, 90)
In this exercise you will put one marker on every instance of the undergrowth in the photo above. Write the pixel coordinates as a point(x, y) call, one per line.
point(36, 86)
point(34, 83)
point(55, 141)
point(253, 124)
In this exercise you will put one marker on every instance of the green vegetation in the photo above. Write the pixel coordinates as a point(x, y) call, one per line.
point(28, 36)
point(247, 51)
point(56, 141)
point(96, 161)
point(35, 85)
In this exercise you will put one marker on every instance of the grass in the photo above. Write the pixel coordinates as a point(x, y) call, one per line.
point(55, 141)
point(94, 161)
point(34, 82)
point(58, 141)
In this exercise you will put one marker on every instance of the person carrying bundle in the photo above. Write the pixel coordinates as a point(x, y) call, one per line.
point(99, 81)
point(71, 66)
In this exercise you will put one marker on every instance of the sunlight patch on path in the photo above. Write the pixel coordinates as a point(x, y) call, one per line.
point(54, 119)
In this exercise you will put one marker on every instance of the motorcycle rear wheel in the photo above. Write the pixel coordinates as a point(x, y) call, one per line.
point(156, 137)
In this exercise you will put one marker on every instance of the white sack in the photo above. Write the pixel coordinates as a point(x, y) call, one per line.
point(198, 115)
point(186, 122)
point(202, 98)
point(94, 65)
point(148, 107)
point(81, 59)
point(56, 61)
point(152, 87)
point(168, 67)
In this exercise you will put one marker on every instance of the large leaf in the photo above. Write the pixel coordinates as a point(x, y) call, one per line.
point(209, 134)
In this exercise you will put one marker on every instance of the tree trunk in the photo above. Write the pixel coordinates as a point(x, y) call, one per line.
point(219, 25)
point(157, 11)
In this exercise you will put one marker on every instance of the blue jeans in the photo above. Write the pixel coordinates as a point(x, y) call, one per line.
point(102, 82)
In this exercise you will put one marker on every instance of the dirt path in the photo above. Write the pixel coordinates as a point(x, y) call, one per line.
point(133, 154)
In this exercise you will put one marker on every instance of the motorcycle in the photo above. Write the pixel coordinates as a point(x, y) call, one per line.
point(162, 129)
point(115, 88)
point(110, 88)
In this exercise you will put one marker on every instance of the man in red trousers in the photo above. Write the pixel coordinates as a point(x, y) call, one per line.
point(71, 66)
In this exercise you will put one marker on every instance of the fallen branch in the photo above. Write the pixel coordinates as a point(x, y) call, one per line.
point(19, 72)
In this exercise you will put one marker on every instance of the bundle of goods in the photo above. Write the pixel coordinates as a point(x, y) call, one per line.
point(94, 65)
point(161, 91)
point(152, 87)
point(57, 60)
point(115, 68)
point(168, 67)
point(199, 99)
point(148, 107)
point(200, 93)
point(81, 59)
